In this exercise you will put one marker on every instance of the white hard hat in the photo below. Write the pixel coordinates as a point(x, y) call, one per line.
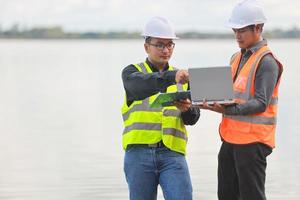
point(159, 27)
point(245, 13)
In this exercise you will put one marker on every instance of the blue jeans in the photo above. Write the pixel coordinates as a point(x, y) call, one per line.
point(146, 167)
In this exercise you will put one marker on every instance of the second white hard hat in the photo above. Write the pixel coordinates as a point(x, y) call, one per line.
point(245, 13)
point(159, 27)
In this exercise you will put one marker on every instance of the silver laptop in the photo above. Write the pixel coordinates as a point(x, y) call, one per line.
point(214, 84)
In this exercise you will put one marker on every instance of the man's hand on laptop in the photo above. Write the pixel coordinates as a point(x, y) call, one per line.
point(183, 105)
point(214, 107)
point(182, 76)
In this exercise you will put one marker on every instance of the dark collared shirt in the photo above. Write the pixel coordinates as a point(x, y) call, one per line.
point(139, 86)
point(266, 77)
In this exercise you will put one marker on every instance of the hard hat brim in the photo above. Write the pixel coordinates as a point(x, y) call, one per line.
point(237, 26)
point(162, 37)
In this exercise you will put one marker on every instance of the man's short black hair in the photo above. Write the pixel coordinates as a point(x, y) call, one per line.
point(148, 39)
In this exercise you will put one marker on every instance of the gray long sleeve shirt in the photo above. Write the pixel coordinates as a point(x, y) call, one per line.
point(266, 77)
point(139, 86)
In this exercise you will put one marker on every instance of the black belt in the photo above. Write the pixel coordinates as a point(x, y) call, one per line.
point(155, 145)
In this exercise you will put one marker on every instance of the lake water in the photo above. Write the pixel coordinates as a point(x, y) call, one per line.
point(60, 121)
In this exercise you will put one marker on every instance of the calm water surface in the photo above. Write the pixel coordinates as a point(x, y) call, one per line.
point(60, 121)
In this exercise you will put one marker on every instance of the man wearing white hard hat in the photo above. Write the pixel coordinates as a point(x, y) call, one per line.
point(248, 127)
point(154, 139)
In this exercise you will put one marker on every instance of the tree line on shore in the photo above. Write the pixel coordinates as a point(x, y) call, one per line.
point(57, 32)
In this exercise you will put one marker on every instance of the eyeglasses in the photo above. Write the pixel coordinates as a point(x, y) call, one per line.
point(161, 46)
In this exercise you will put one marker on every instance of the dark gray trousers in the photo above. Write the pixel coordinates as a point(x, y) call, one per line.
point(242, 171)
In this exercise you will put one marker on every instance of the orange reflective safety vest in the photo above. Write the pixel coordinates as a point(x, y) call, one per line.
point(259, 127)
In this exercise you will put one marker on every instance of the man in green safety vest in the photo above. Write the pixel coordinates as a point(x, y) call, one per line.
point(154, 139)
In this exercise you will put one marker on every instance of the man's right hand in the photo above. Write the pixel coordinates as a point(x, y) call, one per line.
point(182, 76)
point(183, 105)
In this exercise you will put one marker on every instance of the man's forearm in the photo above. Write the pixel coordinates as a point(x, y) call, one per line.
point(139, 86)
point(265, 82)
point(191, 116)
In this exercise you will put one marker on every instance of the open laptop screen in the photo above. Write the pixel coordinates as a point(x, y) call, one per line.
point(212, 83)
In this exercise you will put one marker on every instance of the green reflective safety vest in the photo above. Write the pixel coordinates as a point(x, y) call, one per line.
point(145, 125)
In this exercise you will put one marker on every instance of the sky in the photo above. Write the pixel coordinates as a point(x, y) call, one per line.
point(131, 15)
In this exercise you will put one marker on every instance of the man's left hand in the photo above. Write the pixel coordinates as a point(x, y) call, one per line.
point(215, 107)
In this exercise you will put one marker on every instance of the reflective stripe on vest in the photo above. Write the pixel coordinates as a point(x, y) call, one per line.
point(259, 127)
point(145, 125)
